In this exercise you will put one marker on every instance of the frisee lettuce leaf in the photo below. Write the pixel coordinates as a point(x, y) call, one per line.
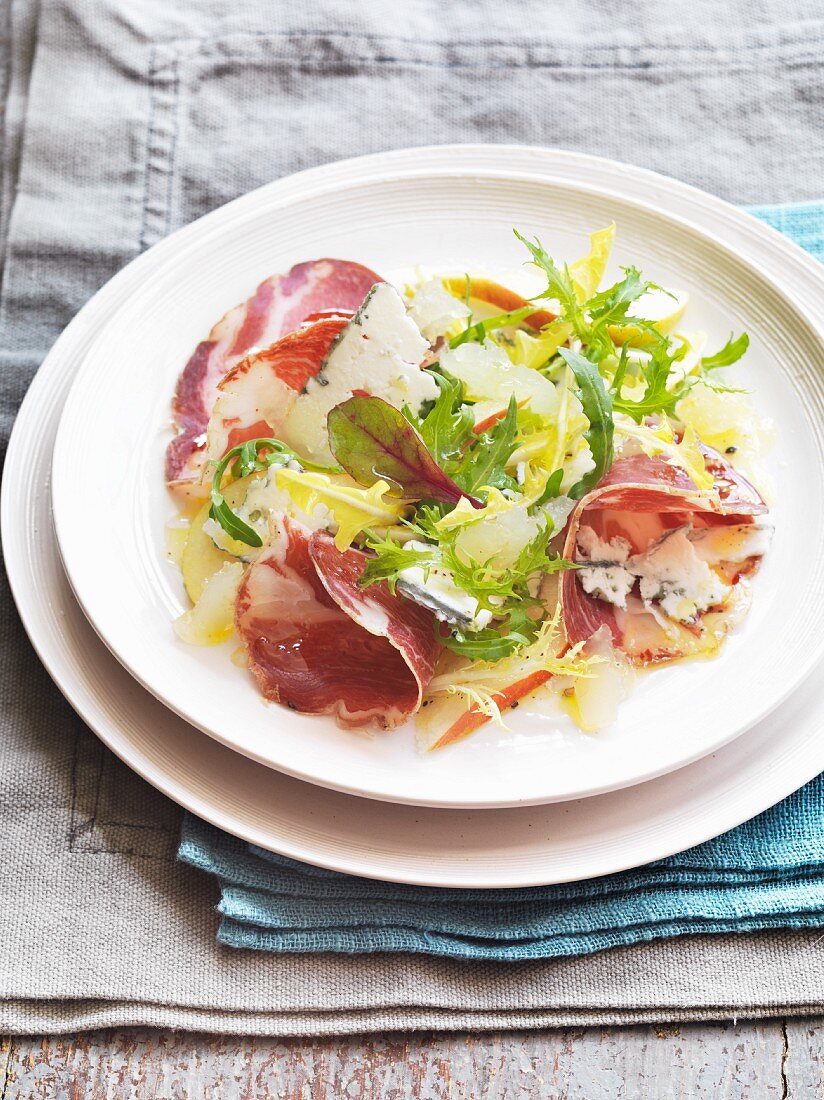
point(658, 395)
point(446, 428)
point(560, 283)
point(729, 354)
point(484, 684)
point(391, 557)
point(485, 461)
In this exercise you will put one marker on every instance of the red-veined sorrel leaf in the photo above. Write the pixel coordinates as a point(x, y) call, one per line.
point(372, 440)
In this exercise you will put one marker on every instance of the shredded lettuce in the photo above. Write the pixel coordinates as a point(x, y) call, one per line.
point(483, 684)
point(353, 509)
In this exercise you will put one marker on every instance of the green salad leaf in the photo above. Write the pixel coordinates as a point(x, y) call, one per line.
point(485, 461)
point(552, 489)
point(247, 458)
point(658, 396)
point(597, 405)
point(729, 354)
point(391, 557)
point(446, 428)
point(599, 321)
point(503, 591)
point(479, 331)
point(560, 282)
point(374, 441)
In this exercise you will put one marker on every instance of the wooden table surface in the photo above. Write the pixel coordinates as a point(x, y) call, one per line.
point(776, 1058)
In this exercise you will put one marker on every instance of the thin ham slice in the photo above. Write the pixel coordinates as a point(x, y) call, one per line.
point(256, 395)
point(320, 644)
point(278, 306)
point(639, 499)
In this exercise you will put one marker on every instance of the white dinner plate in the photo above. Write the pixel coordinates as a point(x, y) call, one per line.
point(513, 847)
point(447, 211)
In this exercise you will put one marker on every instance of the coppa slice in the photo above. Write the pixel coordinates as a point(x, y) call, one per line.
point(279, 305)
point(256, 396)
point(364, 658)
point(653, 511)
point(379, 353)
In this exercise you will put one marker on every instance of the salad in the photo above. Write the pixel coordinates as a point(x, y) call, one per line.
point(443, 498)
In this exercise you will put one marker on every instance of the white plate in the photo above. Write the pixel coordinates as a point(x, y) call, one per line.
point(521, 847)
point(110, 445)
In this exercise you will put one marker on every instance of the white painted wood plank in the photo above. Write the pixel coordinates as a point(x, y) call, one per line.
point(747, 1061)
point(804, 1061)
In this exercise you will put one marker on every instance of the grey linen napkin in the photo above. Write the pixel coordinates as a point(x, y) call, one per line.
point(125, 120)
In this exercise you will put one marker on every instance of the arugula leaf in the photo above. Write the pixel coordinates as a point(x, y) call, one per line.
point(232, 524)
point(485, 462)
point(246, 458)
point(729, 354)
point(447, 427)
point(597, 405)
point(552, 489)
point(491, 645)
point(373, 441)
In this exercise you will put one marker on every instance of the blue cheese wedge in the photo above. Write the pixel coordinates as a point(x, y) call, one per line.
point(605, 574)
point(674, 573)
point(380, 352)
point(438, 592)
point(674, 577)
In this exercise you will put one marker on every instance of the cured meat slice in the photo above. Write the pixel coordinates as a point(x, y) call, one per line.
point(257, 394)
point(362, 656)
point(639, 501)
point(278, 306)
point(409, 627)
point(626, 485)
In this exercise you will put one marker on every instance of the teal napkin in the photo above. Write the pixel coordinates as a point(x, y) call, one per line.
point(767, 873)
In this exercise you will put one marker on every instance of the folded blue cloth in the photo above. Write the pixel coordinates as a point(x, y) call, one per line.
point(767, 873)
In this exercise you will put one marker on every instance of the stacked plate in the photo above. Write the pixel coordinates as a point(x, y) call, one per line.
point(697, 749)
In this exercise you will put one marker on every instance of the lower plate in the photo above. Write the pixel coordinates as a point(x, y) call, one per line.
point(458, 848)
